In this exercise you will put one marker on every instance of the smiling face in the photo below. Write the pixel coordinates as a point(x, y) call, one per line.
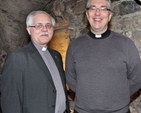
point(97, 17)
point(42, 33)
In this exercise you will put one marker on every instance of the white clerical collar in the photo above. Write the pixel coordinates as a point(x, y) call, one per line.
point(98, 35)
point(44, 48)
point(40, 48)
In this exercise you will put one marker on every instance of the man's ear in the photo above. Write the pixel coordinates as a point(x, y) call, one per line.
point(86, 14)
point(110, 15)
point(28, 30)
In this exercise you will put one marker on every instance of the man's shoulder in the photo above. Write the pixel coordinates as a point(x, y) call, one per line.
point(19, 51)
point(120, 36)
point(53, 51)
point(80, 38)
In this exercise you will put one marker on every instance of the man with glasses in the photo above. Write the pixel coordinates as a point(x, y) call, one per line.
point(103, 68)
point(33, 78)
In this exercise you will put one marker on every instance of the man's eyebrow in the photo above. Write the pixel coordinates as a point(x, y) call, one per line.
point(91, 6)
point(104, 6)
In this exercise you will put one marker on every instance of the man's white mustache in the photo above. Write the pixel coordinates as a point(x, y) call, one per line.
point(44, 33)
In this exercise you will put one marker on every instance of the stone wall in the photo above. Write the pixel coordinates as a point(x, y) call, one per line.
point(126, 20)
point(13, 35)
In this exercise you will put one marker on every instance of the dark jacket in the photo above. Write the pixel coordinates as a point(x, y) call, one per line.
point(27, 86)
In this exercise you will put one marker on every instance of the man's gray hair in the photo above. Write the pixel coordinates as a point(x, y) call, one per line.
point(109, 3)
point(29, 19)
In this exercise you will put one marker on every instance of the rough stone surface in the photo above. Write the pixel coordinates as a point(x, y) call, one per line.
point(70, 15)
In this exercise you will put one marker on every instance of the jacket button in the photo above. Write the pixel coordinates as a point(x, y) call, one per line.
point(54, 91)
point(53, 106)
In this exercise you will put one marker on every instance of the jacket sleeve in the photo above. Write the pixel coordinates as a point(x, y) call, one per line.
point(11, 85)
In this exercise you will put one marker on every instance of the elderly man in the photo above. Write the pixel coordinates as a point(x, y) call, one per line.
point(33, 78)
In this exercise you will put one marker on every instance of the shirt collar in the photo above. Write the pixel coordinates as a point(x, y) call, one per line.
point(40, 48)
point(99, 36)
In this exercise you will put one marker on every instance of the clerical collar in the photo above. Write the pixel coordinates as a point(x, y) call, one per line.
point(44, 48)
point(40, 48)
point(99, 36)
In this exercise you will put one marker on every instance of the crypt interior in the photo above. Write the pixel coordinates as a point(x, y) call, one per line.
point(71, 23)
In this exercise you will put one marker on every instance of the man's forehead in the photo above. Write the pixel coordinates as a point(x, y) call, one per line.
point(41, 17)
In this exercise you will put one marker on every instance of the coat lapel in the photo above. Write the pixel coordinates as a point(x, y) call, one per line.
point(38, 59)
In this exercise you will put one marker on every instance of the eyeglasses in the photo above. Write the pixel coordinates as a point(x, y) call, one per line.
point(102, 9)
point(41, 26)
